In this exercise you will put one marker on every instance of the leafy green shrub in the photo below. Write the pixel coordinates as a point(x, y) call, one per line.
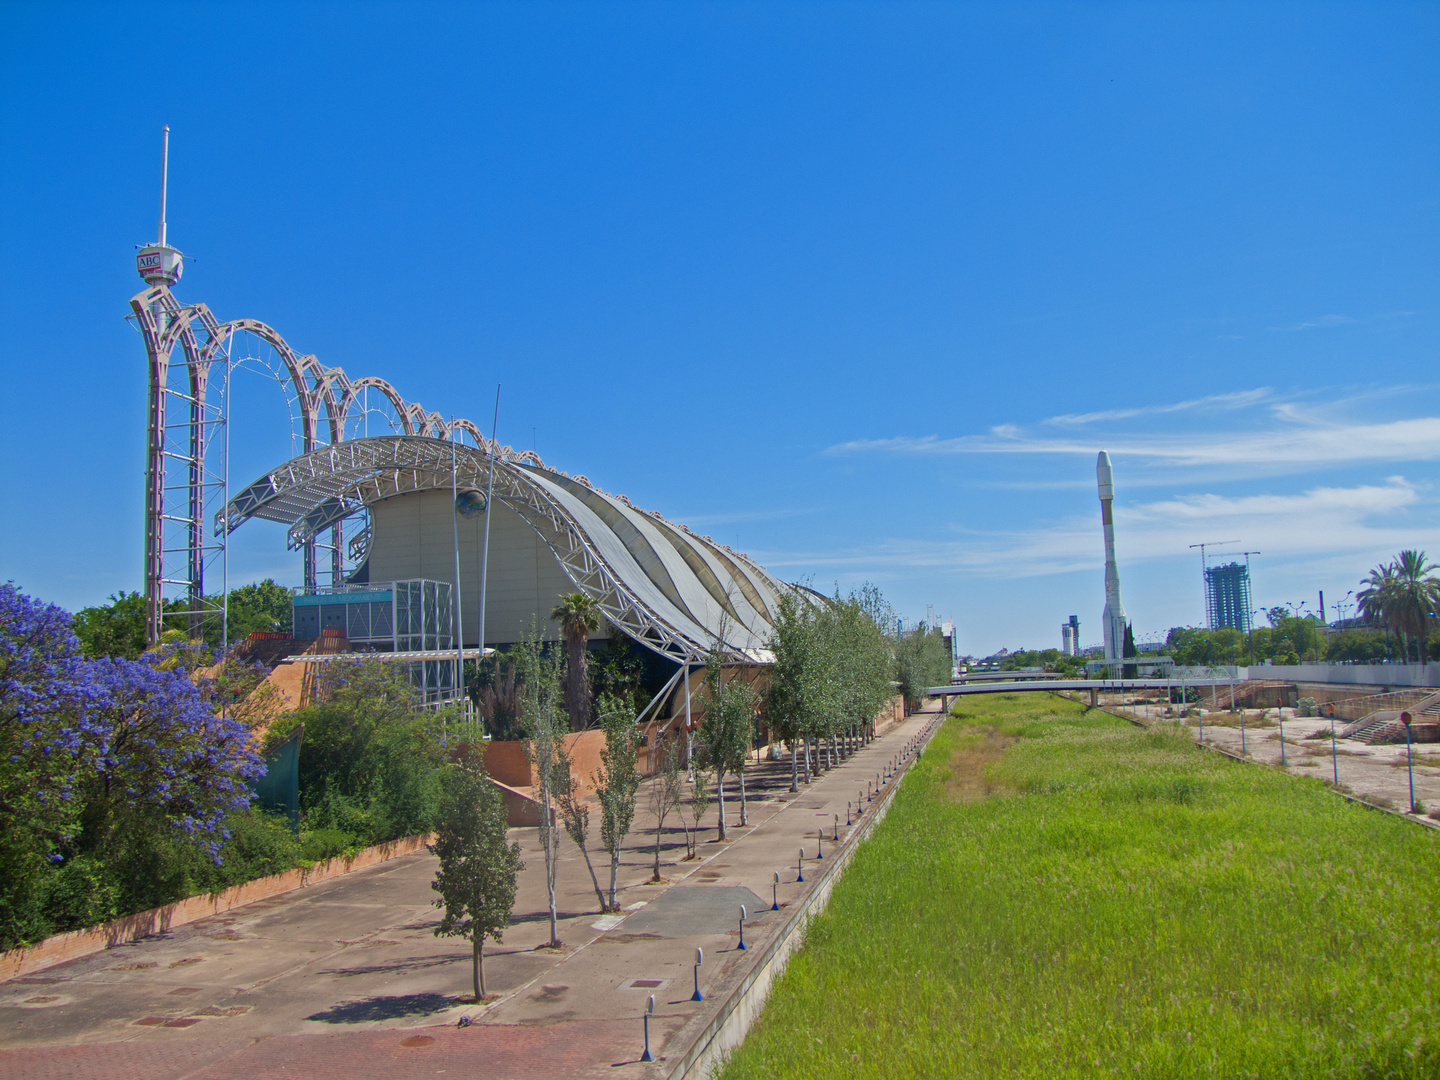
point(317, 845)
point(370, 756)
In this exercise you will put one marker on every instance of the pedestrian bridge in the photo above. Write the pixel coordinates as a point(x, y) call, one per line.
point(1095, 686)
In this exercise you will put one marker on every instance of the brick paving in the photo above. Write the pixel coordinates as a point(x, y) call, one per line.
point(585, 1048)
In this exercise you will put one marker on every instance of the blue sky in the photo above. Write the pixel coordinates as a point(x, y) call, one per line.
point(860, 289)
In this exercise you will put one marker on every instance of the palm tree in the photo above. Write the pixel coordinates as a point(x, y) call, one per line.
point(1414, 596)
point(1401, 596)
point(579, 617)
point(1375, 592)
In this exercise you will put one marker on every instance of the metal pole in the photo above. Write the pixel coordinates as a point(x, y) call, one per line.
point(1334, 754)
point(225, 532)
point(164, 181)
point(485, 544)
point(455, 539)
point(1409, 759)
point(689, 735)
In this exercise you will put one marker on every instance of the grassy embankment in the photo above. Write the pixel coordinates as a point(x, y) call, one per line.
point(1057, 893)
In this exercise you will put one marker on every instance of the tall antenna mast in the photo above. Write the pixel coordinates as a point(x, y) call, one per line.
point(159, 263)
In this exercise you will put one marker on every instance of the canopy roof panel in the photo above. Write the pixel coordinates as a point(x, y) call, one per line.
point(666, 587)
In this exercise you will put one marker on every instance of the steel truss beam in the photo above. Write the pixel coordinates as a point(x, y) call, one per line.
point(307, 490)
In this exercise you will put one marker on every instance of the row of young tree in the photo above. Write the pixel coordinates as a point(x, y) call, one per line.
point(834, 668)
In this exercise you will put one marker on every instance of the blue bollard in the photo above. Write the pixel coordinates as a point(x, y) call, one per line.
point(647, 1056)
point(800, 867)
point(742, 944)
point(699, 958)
point(775, 893)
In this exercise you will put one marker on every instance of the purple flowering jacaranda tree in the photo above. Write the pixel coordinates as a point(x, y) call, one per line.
point(48, 722)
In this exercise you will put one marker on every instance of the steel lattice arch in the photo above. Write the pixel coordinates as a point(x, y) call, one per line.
point(663, 585)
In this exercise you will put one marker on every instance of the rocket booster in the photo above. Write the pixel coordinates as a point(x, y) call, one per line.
point(1114, 617)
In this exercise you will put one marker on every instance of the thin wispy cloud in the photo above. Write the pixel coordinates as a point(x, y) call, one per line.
point(741, 517)
point(1240, 399)
point(1294, 448)
point(1322, 323)
point(1351, 523)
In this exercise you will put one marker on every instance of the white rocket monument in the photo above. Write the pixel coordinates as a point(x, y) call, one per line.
point(1114, 610)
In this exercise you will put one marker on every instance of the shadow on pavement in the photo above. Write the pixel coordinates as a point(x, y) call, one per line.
point(384, 1008)
point(408, 964)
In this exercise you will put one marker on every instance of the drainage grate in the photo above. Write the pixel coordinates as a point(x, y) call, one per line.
point(647, 984)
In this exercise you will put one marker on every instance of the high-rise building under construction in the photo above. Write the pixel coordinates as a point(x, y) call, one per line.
point(1227, 597)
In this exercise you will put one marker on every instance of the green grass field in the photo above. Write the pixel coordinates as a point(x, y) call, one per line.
point(1058, 893)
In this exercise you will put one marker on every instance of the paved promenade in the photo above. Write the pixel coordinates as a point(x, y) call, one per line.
point(347, 979)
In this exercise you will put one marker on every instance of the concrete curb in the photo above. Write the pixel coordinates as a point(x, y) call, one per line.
point(77, 943)
point(709, 1042)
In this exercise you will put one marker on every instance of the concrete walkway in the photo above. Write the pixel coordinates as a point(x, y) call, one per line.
point(347, 978)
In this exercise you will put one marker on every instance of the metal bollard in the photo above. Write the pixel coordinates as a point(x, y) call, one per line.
point(800, 867)
point(775, 893)
point(647, 1056)
point(699, 959)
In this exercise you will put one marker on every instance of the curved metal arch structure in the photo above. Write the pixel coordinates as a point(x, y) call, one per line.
point(182, 423)
point(664, 586)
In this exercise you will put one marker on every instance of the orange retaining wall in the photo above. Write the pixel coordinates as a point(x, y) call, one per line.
point(507, 764)
point(62, 947)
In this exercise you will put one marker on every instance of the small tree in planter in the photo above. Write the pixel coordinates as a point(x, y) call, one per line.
point(618, 781)
point(725, 731)
point(575, 816)
point(698, 804)
point(545, 749)
point(478, 868)
point(667, 789)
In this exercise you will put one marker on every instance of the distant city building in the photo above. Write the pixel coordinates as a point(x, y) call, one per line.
point(1070, 636)
point(1227, 597)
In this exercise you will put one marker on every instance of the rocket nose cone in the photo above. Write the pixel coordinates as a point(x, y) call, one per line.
point(1105, 476)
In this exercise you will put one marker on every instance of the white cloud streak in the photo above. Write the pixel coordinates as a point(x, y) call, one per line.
point(1322, 323)
point(1318, 523)
point(1240, 399)
point(1288, 449)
